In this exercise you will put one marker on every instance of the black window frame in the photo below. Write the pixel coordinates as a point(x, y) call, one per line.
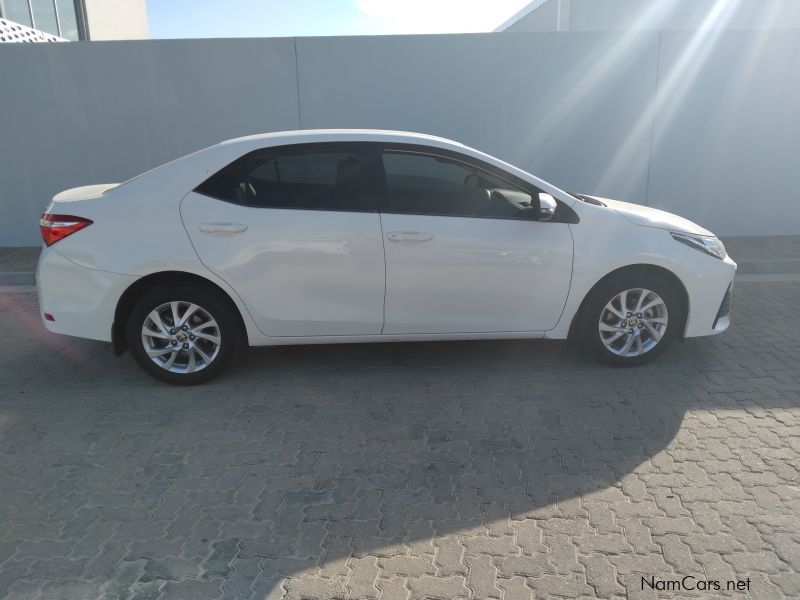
point(564, 213)
point(366, 152)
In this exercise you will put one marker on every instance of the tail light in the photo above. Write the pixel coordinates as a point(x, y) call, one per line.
point(57, 227)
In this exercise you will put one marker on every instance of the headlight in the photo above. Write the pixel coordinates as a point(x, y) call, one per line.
point(709, 245)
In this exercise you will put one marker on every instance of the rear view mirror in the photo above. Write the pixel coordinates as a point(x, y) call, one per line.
point(547, 206)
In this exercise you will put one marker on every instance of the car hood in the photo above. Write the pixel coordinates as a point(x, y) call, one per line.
point(653, 217)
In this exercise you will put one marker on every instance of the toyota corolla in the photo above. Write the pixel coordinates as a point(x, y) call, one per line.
point(334, 236)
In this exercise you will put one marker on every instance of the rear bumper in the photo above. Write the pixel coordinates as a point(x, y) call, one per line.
point(709, 283)
point(81, 301)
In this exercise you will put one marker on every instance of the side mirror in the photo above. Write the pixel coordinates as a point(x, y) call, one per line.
point(520, 202)
point(547, 206)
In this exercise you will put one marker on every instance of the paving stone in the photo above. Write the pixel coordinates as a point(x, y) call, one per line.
point(438, 587)
point(482, 577)
point(363, 573)
point(407, 566)
point(504, 469)
point(449, 557)
point(601, 575)
point(392, 589)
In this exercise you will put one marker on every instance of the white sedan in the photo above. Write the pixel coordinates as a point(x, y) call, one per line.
point(333, 236)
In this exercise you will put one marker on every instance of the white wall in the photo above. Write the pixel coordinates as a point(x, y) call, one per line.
point(648, 15)
point(117, 19)
point(704, 126)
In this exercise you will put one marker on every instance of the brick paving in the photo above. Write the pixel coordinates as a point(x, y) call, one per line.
point(450, 470)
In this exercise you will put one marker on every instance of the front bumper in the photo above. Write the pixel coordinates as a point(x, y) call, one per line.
point(82, 301)
point(709, 283)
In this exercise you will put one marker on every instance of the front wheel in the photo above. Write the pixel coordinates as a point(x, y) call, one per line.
point(183, 335)
point(631, 318)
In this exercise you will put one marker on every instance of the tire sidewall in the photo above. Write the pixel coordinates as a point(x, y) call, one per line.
point(606, 290)
point(212, 302)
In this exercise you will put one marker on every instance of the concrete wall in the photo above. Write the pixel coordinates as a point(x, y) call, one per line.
point(702, 125)
point(648, 15)
point(117, 19)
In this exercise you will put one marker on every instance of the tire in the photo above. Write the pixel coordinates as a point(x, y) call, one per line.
point(196, 351)
point(656, 324)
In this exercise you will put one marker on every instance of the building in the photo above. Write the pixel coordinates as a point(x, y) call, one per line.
point(648, 15)
point(72, 20)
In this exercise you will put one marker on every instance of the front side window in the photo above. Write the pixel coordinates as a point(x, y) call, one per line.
point(312, 179)
point(433, 185)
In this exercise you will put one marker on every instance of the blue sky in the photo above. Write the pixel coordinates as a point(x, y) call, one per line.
point(275, 18)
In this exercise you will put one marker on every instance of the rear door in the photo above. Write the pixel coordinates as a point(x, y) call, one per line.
point(295, 231)
point(462, 259)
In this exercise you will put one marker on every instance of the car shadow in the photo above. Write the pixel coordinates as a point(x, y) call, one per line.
point(300, 457)
point(384, 446)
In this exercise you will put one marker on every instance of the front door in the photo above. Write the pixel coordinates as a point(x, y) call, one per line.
point(296, 233)
point(459, 259)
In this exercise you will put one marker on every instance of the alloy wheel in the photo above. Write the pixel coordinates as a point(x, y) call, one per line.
point(181, 337)
point(633, 322)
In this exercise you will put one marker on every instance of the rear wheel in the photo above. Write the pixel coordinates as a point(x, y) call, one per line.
point(631, 318)
point(183, 335)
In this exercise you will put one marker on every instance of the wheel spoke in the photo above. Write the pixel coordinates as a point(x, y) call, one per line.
point(206, 325)
point(638, 343)
point(644, 294)
point(623, 301)
point(610, 340)
point(159, 351)
point(175, 312)
point(612, 309)
point(192, 364)
point(606, 327)
point(168, 365)
point(155, 334)
point(207, 336)
point(203, 355)
point(652, 304)
point(655, 320)
point(156, 320)
point(654, 333)
point(189, 312)
point(627, 345)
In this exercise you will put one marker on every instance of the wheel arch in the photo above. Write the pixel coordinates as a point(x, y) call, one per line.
point(144, 284)
point(670, 276)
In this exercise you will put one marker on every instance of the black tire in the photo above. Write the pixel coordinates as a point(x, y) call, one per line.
point(214, 303)
point(588, 330)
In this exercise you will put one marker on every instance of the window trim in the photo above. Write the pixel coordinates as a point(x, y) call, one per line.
point(364, 150)
point(567, 214)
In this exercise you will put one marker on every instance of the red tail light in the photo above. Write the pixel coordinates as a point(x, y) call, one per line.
point(57, 227)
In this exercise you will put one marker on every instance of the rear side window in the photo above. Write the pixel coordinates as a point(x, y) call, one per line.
point(311, 179)
point(426, 184)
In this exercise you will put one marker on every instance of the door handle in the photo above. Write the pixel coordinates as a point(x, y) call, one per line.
point(408, 236)
point(222, 227)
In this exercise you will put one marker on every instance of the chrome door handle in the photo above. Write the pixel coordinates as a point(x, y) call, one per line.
point(408, 236)
point(222, 227)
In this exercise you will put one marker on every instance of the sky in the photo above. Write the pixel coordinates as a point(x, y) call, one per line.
point(278, 18)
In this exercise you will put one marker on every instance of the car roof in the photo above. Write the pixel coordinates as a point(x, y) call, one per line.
point(345, 135)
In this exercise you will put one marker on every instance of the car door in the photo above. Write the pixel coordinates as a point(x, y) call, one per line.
point(462, 254)
point(296, 233)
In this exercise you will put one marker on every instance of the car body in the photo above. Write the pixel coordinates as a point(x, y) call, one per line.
point(329, 236)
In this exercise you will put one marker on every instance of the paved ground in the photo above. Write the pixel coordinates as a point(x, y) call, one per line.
point(485, 469)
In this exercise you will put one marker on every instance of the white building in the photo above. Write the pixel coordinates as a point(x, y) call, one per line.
point(72, 20)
